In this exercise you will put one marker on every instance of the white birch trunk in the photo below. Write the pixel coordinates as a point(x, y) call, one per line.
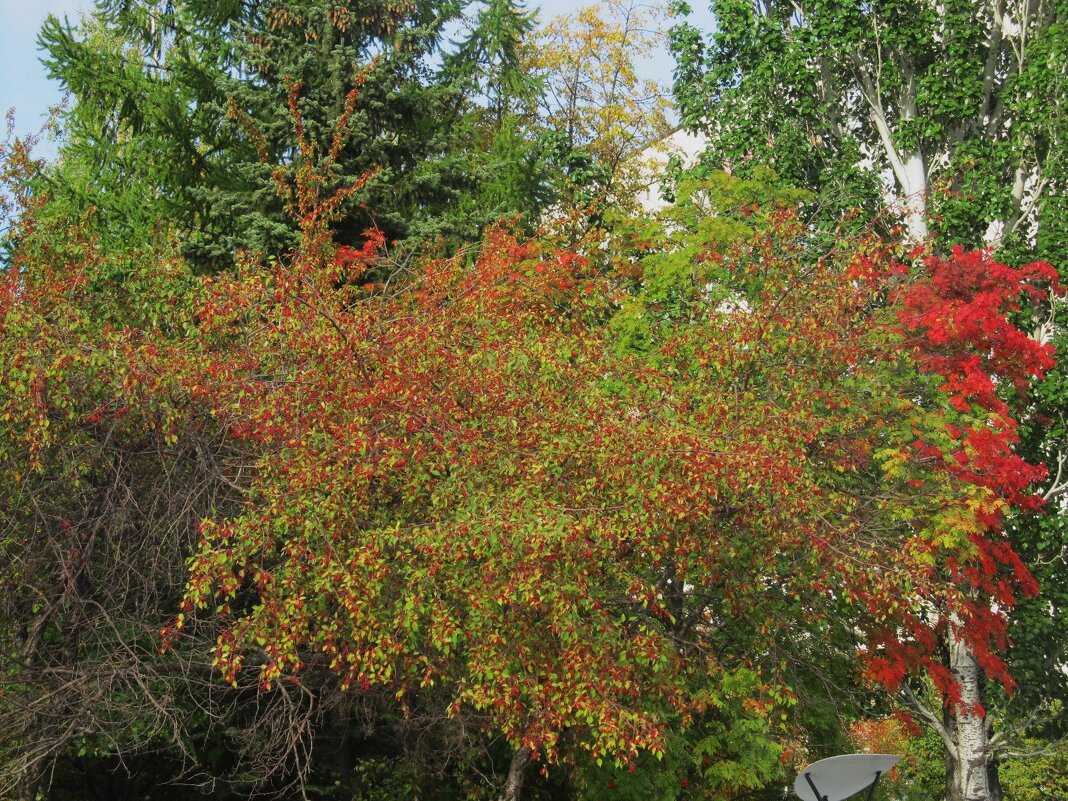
point(913, 179)
point(909, 169)
point(967, 778)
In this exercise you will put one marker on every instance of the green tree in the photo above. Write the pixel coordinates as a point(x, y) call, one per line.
point(142, 128)
point(491, 59)
point(963, 103)
point(184, 109)
point(310, 54)
point(490, 64)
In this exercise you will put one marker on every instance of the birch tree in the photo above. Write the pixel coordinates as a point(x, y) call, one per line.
point(961, 103)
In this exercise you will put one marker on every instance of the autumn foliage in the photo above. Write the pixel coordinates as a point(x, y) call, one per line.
point(462, 482)
point(455, 482)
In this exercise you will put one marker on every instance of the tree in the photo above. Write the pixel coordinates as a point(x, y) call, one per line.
point(316, 52)
point(595, 102)
point(450, 491)
point(103, 475)
point(144, 128)
point(106, 468)
point(962, 106)
point(491, 67)
point(185, 107)
point(463, 483)
point(491, 58)
point(962, 103)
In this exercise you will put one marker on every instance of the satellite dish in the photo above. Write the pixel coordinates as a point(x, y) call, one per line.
point(839, 777)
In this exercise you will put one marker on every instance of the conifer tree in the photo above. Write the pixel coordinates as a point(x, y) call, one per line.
point(185, 108)
point(490, 64)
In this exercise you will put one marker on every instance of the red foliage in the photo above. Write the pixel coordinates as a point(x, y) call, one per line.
point(465, 482)
point(956, 322)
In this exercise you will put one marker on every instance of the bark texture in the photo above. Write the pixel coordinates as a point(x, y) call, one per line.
point(513, 784)
point(967, 777)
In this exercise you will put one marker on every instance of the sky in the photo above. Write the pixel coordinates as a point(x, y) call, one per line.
point(23, 82)
point(25, 87)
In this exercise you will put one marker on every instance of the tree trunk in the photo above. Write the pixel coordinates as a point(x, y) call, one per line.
point(994, 778)
point(909, 169)
point(513, 785)
point(914, 188)
point(967, 774)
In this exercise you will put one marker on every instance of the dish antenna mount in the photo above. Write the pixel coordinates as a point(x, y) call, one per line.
point(839, 777)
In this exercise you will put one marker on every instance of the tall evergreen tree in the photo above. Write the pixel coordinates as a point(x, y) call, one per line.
point(490, 65)
point(142, 129)
point(313, 52)
point(185, 108)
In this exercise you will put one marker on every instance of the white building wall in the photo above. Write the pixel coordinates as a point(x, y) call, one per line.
point(686, 145)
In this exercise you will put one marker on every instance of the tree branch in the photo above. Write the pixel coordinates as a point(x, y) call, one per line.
point(907, 697)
